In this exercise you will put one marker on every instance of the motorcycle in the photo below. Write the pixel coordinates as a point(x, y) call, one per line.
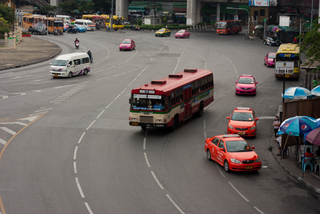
point(55, 32)
point(77, 45)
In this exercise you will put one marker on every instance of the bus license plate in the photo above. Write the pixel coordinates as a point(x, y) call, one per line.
point(241, 133)
point(134, 124)
point(248, 167)
point(56, 75)
point(287, 76)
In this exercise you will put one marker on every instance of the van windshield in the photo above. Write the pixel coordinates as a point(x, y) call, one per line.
point(60, 62)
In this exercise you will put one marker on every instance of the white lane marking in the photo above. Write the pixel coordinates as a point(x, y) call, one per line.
point(258, 210)
point(20, 93)
point(178, 208)
point(266, 117)
point(144, 143)
point(55, 102)
point(75, 153)
point(218, 167)
point(65, 86)
point(91, 125)
point(264, 167)
point(3, 142)
point(205, 134)
point(109, 104)
point(81, 137)
point(131, 57)
point(44, 109)
point(75, 167)
point(234, 67)
point(19, 123)
point(204, 124)
point(117, 97)
point(149, 56)
point(146, 158)
point(184, 49)
point(238, 192)
point(156, 179)
point(30, 118)
point(5, 97)
point(100, 113)
point(8, 130)
point(38, 113)
point(79, 187)
point(59, 99)
point(88, 207)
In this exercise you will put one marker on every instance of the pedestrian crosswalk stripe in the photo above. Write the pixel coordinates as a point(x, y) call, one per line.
point(8, 130)
point(3, 141)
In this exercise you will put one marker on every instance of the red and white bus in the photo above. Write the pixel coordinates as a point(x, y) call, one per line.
point(177, 97)
point(228, 27)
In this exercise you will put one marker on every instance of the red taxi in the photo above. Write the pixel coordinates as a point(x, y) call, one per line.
point(127, 44)
point(232, 152)
point(182, 34)
point(242, 121)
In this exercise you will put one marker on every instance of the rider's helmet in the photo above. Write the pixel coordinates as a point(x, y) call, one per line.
point(88, 50)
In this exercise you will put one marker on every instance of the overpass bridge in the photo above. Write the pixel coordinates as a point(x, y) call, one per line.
point(193, 7)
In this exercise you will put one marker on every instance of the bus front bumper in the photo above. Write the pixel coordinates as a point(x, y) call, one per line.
point(162, 125)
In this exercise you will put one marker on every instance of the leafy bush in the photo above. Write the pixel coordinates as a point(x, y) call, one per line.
point(25, 33)
point(201, 23)
point(139, 22)
point(4, 26)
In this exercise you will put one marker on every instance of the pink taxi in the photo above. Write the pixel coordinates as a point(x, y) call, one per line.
point(246, 84)
point(269, 59)
point(182, 34)
point(127, 44)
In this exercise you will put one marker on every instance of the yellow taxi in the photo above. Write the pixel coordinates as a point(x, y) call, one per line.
point(163, 32)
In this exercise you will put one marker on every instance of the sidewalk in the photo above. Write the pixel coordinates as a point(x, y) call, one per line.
point(29, 51)
point(309, 180)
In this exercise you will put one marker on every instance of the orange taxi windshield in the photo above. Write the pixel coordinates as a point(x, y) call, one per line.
point(242, 116)
point(238, 146)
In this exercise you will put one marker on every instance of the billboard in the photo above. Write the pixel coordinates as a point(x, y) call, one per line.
point(259, 3)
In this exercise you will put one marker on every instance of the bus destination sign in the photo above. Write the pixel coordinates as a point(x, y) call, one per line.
point(286, 67)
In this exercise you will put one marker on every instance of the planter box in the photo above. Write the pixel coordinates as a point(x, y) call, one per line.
point(26, 35)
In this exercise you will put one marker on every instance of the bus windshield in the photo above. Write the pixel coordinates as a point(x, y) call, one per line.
point(117, 22)
point(221, 25)
point(147, 102)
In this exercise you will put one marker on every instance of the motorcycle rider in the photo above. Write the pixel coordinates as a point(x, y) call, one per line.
point(76, 41)
point(90, 55)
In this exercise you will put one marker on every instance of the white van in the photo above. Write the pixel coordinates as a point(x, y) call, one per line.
point(86, 23)
point(66, 19)
point(69, 65)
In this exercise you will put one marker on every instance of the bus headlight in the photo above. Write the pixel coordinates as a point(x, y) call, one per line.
point(158, 120)
point(133, 119)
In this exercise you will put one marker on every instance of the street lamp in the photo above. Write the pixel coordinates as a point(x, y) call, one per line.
point(264, 27)
point(235, 8)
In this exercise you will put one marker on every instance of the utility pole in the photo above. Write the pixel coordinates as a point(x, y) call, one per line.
point(111, 16)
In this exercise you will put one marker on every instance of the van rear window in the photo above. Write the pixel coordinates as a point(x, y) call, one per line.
point(60, 62)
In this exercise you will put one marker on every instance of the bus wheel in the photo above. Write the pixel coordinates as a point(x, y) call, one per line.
point(200, 112)
point(175, 124)
point(143, 127)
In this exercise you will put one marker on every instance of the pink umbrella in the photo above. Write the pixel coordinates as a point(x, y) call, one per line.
point(314, 136)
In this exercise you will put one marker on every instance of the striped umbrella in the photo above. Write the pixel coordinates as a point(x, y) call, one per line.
point(297, 93)
point(316, 91)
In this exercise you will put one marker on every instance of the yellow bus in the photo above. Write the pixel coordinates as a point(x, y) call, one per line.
point(118, 21)
point(98, 20)
point(33, 20)
point(287, 61)
point(54, 22)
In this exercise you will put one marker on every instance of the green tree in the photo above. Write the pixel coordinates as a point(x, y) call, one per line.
point(48, 9)
point(4, 26)
point(68, 6)
point(311, 43)
point(7, 13)
point(86, 7)
point(102, 5)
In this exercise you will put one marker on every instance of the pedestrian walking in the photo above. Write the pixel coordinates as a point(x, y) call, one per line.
point(276, 125)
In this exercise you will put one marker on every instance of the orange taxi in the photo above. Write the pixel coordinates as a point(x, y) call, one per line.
point(232, 152)
point(242, 121)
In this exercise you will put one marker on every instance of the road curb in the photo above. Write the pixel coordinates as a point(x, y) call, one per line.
point(298, 179)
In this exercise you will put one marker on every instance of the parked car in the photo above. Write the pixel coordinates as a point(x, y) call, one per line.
point(37, 30)
point(269, 59)
point(271, 41)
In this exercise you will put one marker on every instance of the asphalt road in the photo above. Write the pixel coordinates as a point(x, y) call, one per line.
point(72, 150)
